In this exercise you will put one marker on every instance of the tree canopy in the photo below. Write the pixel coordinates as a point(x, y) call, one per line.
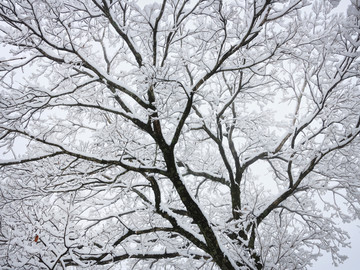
point(177, 134)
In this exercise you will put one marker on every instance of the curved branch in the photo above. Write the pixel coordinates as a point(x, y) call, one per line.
point(87, 157)
point(108, 14)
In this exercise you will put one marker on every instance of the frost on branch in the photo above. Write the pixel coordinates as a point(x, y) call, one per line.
point(190, 134)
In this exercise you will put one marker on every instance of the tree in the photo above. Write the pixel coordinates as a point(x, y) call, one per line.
point(178, 134)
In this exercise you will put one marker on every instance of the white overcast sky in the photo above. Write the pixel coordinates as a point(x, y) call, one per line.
point(324, 262)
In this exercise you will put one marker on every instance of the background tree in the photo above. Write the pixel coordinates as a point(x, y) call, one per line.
point(191, 134)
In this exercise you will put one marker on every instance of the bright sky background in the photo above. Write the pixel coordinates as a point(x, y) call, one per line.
point(324, 262)
point(353, 262)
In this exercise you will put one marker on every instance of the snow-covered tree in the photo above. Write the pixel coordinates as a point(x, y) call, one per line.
point(177, 134)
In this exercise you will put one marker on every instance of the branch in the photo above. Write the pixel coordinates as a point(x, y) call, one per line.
point(207, 176)
point(155, 30)
point(26, 160)
point(84, 156)
point(344, 142)
point(106, 10)
point(155, 256)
